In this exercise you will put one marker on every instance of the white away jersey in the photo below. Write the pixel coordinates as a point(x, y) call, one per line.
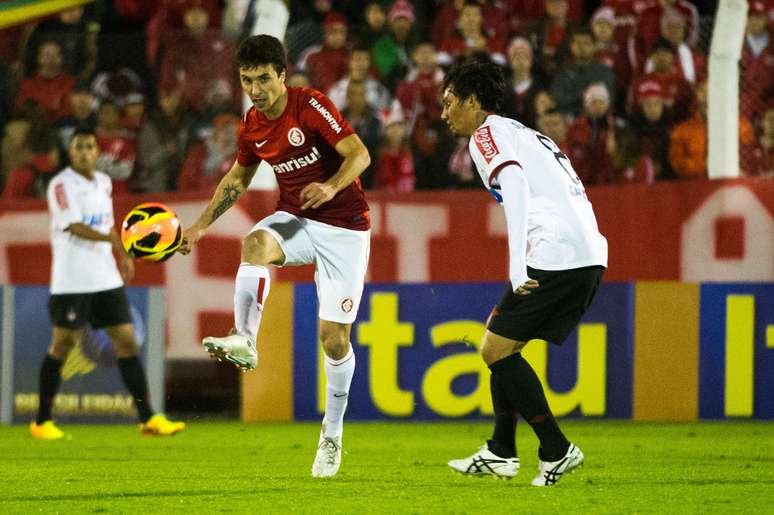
point(80, 265)
point(551, 224)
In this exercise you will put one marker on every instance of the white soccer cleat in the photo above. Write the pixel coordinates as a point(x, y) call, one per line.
point(551, 471)
point(234, 348)
point(486, 463)
point(328, 458)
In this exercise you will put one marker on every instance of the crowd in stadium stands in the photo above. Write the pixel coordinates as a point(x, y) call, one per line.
point(620, 85)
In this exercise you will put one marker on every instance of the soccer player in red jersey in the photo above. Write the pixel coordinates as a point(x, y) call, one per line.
point(322, 218)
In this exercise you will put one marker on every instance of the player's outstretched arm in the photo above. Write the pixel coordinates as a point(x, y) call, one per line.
point(356, 160)
point(228, 191)
point(125, 264)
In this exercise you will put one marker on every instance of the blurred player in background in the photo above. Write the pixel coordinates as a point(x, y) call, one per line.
point(321, 218)
point(557, 258)
point(87, 287)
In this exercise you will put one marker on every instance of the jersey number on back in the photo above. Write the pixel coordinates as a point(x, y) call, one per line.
point(560, 157)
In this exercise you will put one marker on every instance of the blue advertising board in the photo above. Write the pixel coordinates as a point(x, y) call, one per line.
point(736, 370)
point(416, 347)
point(91, 388)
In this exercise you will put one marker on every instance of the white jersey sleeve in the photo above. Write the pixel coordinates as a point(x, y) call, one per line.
point(495, 158)
point(63, 205)
point(551, 223)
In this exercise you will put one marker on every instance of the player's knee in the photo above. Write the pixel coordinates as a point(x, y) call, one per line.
point(335, 346)
point(259, 248)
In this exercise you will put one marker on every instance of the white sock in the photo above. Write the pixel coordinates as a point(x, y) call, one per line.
point(338, 377)
point(250, 292)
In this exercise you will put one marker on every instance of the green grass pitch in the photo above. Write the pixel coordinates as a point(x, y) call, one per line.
point(229, 467)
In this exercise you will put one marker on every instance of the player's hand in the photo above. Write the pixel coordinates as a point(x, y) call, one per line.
point(525, 289)
point(315, 194)
point(190, 237)
point(126, 268)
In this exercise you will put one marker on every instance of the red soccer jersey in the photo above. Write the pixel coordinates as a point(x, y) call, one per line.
point(300, 147)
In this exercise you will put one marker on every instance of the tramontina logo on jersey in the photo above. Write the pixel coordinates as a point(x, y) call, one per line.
point(299, 162)
point(326, 115)
point(485, 143)
point(296, 137)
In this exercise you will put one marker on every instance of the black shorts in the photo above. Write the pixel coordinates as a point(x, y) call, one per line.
point(99, 309)
point(552, 310)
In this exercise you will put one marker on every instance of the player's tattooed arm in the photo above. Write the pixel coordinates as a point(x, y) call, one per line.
point(230, 188)
point(230, 194)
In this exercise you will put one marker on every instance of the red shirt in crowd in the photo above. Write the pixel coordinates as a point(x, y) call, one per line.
point(649, 24)
point(679, 98)
point(300, 147)
point(396, 171)
point(327, 66)
point(192, 175)
point(52, 94)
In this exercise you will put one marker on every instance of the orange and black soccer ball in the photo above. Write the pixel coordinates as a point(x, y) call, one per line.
point(151, 231)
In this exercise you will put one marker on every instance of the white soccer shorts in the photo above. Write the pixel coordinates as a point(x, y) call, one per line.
point(340, 257)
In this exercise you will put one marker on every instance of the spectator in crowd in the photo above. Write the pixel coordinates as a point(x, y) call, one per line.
point(76, 37)
point(116, 85)
point(679, 98)
point(591, 138)
point(470, 37)
point(531, 10)
point(298, 79)
point(496, 20)
point(359, 70)
point(208, 161)
point(395, 169)
point(690, 62)
point(651, 125)
point(649, 23)
point(133, 112)
point(420, 92)
point(50, 86)
point(553, 123)
point(328, 63)
point(631, 164)
point(524, 85)
point(117, 147)
point(195, 45)
point(219, 99)
point(543, 103)
point(375, 25)
point(608, 50)
point(14, 150)
point(570, 82)
point(363, 118)
point(30, 179)
point(757, 63)
point(168, 20)
point(82, 113)
point(549, 37)
point(626, 14)
point(391, 52)
point(305, 28)
point(761, 161)
point(688, 146)
point(162, 142)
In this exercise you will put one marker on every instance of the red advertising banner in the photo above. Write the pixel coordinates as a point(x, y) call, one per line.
point(698, 231)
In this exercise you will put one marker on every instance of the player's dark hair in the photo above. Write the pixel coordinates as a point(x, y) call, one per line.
point(483, 80)
point(83, 130)
point(262, 50)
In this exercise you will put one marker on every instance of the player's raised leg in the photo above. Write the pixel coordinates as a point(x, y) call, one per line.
point(339, 369)
point(259, 250)
point(62, 342)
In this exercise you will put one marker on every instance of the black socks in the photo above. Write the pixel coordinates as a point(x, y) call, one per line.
point(516, 382)
point(50, 377)
point(134, 378)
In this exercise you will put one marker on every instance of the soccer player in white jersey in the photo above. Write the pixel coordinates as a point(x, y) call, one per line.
point(557, 258)
point(322, 218)
point(87, 287)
